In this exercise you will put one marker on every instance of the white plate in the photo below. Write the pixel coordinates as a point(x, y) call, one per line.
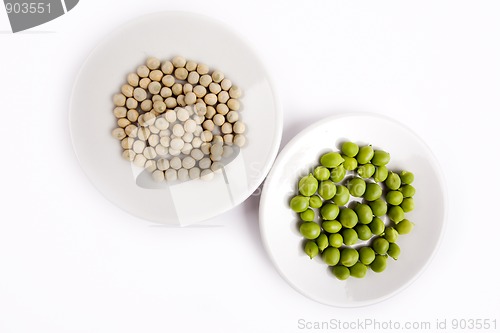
point(278, 223)
point(165, 35)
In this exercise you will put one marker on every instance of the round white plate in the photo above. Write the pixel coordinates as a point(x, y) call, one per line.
point(279, 227)
point(165, 35)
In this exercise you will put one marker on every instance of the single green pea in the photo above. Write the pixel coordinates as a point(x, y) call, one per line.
point(311, 249)
point(341, 272)
point(364, 212)
point(299, 203)
point(408, 191)
point(394, 251)
point(356, 186)
point(373, 192)
point(308, 185)
point(350, 163)
point(363, 231)
point(321, 173)
point(350, 236)
point(348, 217)
point(365, 154)
point(315, 202)
point(380, 157)
point(366, 170)
point(349, 149)
point(331, 160)
point(379, 264)
point(342, 196)
point(310, 230)
point(380, 245)
point(307, 215)
point(348, 256)
point(331, 226)
point(380, 174)
point(379, 207)
point(366, 255)
point(391, 235)
point(329, 211)
point(337, 174)
point(322, 241)
point(396, 214)
point(358, 270)
point(394, 198)
point(327, 189)
point(336, 240)
point(407, 177)
point(377, 226)
point(331, 256)
point(393, 182)
point(407, 205)
point(404, 227)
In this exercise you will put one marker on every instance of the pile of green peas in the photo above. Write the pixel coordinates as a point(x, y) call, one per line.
point(351, 234)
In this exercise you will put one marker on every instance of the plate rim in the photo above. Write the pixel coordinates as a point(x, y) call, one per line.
point(289, 145)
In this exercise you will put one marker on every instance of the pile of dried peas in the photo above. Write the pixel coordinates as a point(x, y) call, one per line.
point(352, 235)
point(178, 119)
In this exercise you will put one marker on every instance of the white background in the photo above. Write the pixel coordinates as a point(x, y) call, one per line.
point(70, 261)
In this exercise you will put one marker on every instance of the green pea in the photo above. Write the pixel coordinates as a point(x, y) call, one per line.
point(350, 236)
point(331, 256)
point(394, 251)
point(396, 214)
point(307, 215)
point(342, 195)
point(321, 173)
point(315, 202)
point(364, 155)
point(337, 174)
point(341, 272)
point(299, 203)
point(377, 226)
point(327, 189)
point(407, 177)
point(349, 149)
point(350, 163)
point(380, 174)
point(363, 231)
point(311, 249)
point(348, 257)
point(322, 241)
point(407, 190)
point(308, 185)
point(336, 240)
point(379, 264)
point(364, 212)
point(310, 230)
point(380, 158)
point(329, 211)
point(358, 270)
point(331, 226)
point(393, 182)
point(408, 205)
point(380, 245)
point(373, 191)
point(379, 207)
point(356, 186)
point(366, 255)
point(348, 217)
point(331, 160)
point(391, 235)
point(394, 198)
point(404, 227)
point(366, 170)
